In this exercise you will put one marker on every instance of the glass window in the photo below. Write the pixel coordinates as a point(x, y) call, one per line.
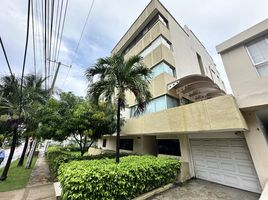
point(263, 69)
point(172, 102)
point(157, 104)
point(163, 20)
point(126, 144)
point(161, 68)
point(158, 41)
point(160, 103)
point(169, 147)
point(258, 51)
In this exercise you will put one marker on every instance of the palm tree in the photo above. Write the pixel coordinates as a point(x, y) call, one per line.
point(115, 77)
point(34, 96)
point(20, 112)
point(9, 101)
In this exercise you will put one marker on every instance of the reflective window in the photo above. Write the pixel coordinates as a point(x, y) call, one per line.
point(169, 147)
point(155, 19)
point(126, 144)
point(157, 104)
point(258, 51)
point(158, 41)
point(161, 68)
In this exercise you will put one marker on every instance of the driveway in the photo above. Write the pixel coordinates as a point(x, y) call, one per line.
point(197, 189)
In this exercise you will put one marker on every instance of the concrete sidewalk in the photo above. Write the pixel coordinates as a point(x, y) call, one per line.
point(39, 185)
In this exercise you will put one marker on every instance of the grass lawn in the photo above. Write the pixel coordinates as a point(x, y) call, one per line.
point(17, 176)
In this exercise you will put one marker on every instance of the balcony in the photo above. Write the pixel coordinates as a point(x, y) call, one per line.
point(213, 115)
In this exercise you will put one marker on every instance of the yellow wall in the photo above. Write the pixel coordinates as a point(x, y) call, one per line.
point(217, 114)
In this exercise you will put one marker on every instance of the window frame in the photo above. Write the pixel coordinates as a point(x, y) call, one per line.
point(174, 74)
point(259, 64)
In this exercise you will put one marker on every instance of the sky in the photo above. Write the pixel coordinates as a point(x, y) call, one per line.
point(212, 21)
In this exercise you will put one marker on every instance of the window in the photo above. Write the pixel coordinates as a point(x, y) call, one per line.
point(157, 104)
point(161, 68)
point(158, 41)
point(200, 62)
point(185, 101)
point(156, 18)
point(104, 141)
point(169, 147)
point(163, 20)
point(126, 144)
point(258, 51)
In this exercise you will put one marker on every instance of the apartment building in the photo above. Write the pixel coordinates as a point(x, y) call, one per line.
point(245, 58)
point(190, 116)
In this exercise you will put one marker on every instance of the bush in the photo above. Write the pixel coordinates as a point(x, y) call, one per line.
point(104, 179)
point(57, 156)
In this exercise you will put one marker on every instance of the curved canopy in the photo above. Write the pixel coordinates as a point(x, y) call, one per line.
point(195, 88)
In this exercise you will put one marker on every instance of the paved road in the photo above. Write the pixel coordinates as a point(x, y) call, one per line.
point(16, 155)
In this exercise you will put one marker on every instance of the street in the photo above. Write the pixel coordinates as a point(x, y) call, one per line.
point(16, 155)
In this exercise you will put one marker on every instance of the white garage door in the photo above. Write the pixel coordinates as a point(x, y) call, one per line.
point(225, 161)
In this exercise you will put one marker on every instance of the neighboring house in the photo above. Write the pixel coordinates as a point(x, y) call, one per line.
point(190, 116)
point(245, 57)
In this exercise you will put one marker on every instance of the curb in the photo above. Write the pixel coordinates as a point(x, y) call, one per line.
point(156, 191)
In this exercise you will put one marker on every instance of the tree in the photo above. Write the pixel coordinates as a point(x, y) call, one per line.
point(116, 77)
point(9, 107)
point(20, 109)
point(76, 117)
point(34, 97)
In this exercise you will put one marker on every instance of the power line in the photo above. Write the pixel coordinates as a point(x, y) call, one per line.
point(25, 54)
point(32, 12)
point(45, 43)
point(62, 28)
point(58, 32)
point(51, 30)
point(3, 48)
point(76, 49)
point(39, 32)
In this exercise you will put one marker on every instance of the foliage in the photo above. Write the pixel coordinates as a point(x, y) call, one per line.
point(18, 177)
point(104, 179)
point(115, 77)
point(76, 117)
point(57, 156)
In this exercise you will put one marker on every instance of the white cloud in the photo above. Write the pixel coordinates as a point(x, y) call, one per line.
point(212, 22)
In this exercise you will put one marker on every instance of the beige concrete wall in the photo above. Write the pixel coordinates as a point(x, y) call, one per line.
point(249, 89)
point(257, 146)
point(141, 144)
point(157, 88)
point(158, 29)
point(213, 115)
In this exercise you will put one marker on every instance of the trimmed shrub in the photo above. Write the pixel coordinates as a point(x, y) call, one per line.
point(57, 156)
point(104, 179)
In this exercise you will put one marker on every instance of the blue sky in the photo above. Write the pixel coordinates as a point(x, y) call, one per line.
point(213, 21)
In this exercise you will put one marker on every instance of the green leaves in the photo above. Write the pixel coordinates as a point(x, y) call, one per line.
point(104, 179)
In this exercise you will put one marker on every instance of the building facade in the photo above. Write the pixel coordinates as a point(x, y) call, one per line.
point(245, 57)
point(190, 116)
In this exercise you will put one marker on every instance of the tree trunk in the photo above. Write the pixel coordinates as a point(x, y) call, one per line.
point(117, 153)
point(12, 149)
point(23, 151)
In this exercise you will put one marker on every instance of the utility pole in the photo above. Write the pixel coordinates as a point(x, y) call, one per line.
point(56, 74)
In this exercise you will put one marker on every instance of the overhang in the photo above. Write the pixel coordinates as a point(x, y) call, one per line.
point(195, 88)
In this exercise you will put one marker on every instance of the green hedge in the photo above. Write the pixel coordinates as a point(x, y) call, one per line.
point(104, 179)
point(56, 156)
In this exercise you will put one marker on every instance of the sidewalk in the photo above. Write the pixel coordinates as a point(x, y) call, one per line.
point(39, 185)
